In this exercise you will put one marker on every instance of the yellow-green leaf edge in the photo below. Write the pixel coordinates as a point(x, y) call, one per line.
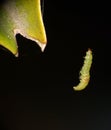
point(24, 17)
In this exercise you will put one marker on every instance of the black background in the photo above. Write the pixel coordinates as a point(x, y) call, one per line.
point(36, 89)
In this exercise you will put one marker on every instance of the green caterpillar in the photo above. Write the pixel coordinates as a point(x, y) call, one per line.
point(85, 72)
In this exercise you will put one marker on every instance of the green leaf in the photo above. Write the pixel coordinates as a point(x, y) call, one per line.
point(23, 17)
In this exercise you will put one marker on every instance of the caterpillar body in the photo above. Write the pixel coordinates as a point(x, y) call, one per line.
point(85, 72)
